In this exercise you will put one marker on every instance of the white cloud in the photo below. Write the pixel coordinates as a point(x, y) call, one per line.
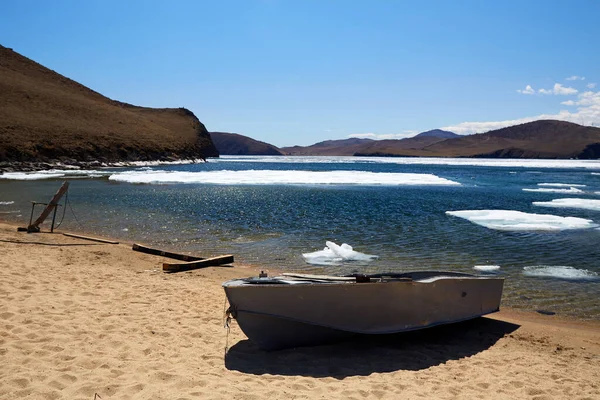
point(559, 89)
point(591, 85)
point(576, 78)
point(528, 90)
point(384, 136)
point(562, 90)
point(587, 113)
point(568, 103)
point(363, 135)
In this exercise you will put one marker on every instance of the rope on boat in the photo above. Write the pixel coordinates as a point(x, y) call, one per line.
point(226, 322)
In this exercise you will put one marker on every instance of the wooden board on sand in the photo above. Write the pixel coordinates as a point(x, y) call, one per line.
point(157, 252)
point(90, 238)
point(207, 262)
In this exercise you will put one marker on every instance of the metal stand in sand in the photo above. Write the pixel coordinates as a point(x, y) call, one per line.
point(50, 207)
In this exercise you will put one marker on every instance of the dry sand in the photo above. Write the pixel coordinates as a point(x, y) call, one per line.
point(82, 320)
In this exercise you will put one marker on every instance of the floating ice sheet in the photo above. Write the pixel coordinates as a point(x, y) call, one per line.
point(510, 220)
point(29, 176)
point(561, 184)
point(561, 272)
point(275, 177)
point(53, 174)
point(554, 190)
point(486, 162)
point(335, 255)
point(585, 204)
point(487, 268)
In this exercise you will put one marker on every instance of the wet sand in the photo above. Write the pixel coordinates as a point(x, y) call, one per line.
point(80, 319)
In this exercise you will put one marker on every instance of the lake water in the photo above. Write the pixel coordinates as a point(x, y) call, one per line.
point(508, 217)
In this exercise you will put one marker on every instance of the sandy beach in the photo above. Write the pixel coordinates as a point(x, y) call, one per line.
point(84, 320)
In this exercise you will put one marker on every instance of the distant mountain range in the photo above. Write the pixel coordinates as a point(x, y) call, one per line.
point(438, 133)
point(537, 139)
point(236, 145)
point(48, 118)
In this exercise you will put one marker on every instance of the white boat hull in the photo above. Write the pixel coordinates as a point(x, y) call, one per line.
point(283, 315)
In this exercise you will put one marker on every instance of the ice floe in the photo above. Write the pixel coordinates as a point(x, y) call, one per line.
point(285, 177)
point(585, 204)
point(561, 184)
point(553, 190)
point(335, 255)
point(561, 272)
point(487, 268)
point(53, 174)
point(484, 162)
point(510, 220)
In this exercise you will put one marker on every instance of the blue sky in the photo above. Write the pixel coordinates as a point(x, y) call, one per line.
point(299, 72)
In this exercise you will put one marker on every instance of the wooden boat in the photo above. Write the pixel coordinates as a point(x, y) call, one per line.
point(298, 310)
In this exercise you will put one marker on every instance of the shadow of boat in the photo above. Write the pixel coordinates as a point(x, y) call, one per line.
point(364, 355)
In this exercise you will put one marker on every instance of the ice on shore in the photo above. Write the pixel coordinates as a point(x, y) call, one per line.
point(53, 174)
point(510, 220)
point(335, 255)
point(560, 272)
point(283, 177)
point(30, 176)
point(487, 268)
point(553, 190)
point(585, 204)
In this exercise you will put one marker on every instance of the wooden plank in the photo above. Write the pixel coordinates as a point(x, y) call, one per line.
point(168, 254)
point(34, 227)
point(90, 238)
point(207, 262)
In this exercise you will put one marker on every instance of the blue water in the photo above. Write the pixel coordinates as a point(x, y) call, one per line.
point(270, 225)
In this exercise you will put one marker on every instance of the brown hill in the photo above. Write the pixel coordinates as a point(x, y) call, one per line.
point(439, 134)
point(239, 145)
point(344, 147)
point(406, 147)
point(355, 146)
point(47, 118)
point(538, 139)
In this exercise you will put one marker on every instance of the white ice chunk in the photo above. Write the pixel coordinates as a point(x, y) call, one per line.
point(285, 177)
point(560, 272)
point(561, 184)
point(53, 173)
point(29, 176)
point(550, 190)
point(334, 255)
point(486, 268)
point(585, 204)
point(510, 220)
